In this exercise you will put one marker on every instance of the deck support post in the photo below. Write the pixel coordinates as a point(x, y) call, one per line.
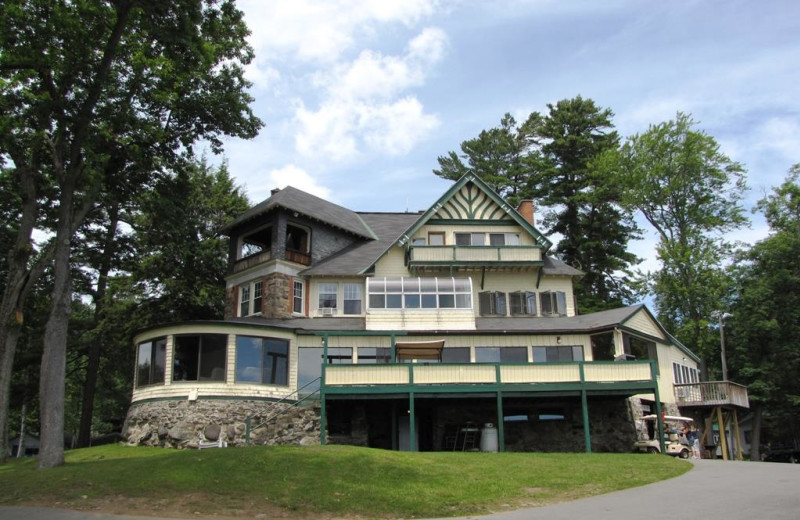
point(723, 441)
point(659, 410)
point(323, 422)
point(587, 436)
point(501, 435)
point(412, 427)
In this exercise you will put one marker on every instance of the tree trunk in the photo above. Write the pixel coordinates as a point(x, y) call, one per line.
point(93, 362)
point(54, 354)
point(17, 284)
point(21, 443)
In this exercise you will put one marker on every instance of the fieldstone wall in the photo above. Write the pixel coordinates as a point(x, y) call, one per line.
point(277, 296)
point(184, 424)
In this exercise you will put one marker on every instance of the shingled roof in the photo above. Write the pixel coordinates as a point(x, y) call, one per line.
point(357, 258)
point(312, 207)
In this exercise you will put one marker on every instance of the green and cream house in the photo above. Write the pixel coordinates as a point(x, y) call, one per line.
point(448, 329)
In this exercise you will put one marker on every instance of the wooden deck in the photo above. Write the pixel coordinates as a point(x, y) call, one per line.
point(711, 393)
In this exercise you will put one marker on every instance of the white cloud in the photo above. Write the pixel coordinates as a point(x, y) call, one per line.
point(321, 30)
point(291, 175)
point(361, 108)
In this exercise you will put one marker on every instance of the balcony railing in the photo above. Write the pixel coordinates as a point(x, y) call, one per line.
point(436, 255)
point(486, 373)
point(712, 393)
point(251, 261)
point(298, 257)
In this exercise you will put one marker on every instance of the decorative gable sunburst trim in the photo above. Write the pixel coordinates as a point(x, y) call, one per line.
point(471, 203)
point(469, 199)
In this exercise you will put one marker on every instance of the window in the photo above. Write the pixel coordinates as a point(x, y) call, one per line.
point(603, 347)
point(373, 355)
point(419, 241)
point(200, 357)
point(309, 365)
point(492, 303)
point(244, 300)
point(455, 355)
point(298, 288)
point(251, 298)
point(436, 238)
point(262, 360)
point(683, 374)
point(296, 238)
point(523, 303)
point(503, 239)
point(470, 239)
point(327, 297)
point(151, 361)
point(501, 354)
point(557, 353)
point(419, 293)
point(554, 303)
point(352, 298)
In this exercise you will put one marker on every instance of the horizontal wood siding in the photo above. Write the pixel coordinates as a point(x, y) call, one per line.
point(642, 322)
point(442, 374)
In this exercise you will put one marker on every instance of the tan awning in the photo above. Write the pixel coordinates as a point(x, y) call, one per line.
point(406, 350)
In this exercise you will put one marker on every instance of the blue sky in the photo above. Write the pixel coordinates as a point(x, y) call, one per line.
point(360, 97)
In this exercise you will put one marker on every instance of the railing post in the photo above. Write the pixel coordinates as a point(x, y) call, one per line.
point(323, 418)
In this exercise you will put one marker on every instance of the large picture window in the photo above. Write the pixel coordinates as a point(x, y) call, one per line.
point(262, 360)
point(419, 293)
point(151, 357)
point(557, 353)
point(374, 355)
point(501, 354)
point(200, 357)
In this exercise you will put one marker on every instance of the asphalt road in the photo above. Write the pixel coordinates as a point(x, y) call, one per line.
point(712, 490)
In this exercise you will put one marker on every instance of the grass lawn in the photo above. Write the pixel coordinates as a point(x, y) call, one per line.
point(321, 481)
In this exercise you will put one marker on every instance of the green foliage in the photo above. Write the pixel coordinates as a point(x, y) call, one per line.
point(332, 480)
point(764, 332)
point(181, 259)
point(691, 194)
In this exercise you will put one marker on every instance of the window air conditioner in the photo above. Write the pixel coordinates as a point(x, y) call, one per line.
point(327, 311)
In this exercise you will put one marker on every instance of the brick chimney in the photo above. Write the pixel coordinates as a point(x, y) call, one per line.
point(273, 191)
point(525, 209)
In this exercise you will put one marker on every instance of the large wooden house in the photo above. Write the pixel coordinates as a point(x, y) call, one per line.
point(418, 331)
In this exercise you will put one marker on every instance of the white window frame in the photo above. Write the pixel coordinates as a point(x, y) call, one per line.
point(475, 239)
point(298, 298)
point(249, 293)
point(347, 296)
point(328, 310)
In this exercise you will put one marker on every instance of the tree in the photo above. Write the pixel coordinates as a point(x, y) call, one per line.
point(497, 156)
point(550, 159)
point(763, 332)
point(583, 205)
point(690, 192)
point(89, 89)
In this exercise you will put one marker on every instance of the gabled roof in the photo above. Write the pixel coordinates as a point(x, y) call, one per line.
point(311, 206)
point(491, 194)
point(358, 258)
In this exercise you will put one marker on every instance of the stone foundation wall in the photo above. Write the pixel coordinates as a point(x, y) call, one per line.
point(183, 424)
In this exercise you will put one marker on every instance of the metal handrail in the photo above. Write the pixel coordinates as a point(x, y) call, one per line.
point(247, 422)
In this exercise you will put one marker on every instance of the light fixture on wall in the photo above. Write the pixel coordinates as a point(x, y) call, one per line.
point(558, 340)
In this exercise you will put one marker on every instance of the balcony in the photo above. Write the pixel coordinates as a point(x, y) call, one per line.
point(251, 261)
point(266, 256)
point(400, 377)
point(712, 393)
point(477, 256)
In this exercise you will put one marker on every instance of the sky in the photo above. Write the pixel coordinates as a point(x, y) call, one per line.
point(360, 97)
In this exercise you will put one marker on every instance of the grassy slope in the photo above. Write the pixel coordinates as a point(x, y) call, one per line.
point(331, 480)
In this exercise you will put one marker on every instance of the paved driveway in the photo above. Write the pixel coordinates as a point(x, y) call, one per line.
point(712, 490)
